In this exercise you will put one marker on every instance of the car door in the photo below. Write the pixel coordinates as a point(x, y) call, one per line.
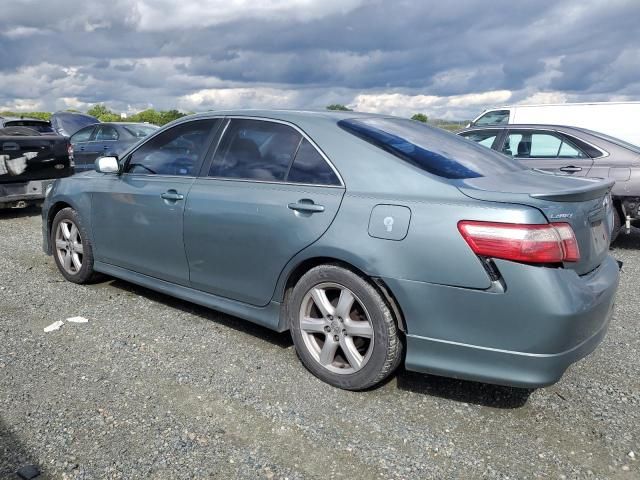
point(137, 216)
point(546, 150)
point(266, 194)
point(81, 141)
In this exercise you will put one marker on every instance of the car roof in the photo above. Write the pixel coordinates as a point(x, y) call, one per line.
point(515, 126)
point(288, 115)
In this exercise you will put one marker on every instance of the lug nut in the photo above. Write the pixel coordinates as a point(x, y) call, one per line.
point(336, 338)
point(330, 317)
point(340, 319)
point(327, 329)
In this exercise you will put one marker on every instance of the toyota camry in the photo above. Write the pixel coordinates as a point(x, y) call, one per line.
point(374, 240)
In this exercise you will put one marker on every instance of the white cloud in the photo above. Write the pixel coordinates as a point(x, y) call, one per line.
point(205, 13)
point(224, 98)
point(454, 106)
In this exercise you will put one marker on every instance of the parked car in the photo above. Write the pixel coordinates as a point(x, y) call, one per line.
point(572, 151)
point(363, 235)
point(103, 139)
point(40, 126)
point(68, 123)
point(29, 163)
point(617, 119)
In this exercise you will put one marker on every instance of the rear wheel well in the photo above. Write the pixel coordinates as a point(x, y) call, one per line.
point(376, 283)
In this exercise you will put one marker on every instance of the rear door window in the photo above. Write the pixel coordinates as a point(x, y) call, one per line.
point(531, 144)
point(310, 167)
point(255, 150)
point(494, 117)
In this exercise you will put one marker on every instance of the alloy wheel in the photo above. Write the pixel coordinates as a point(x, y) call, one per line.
point(336, 328)
point(69, 246)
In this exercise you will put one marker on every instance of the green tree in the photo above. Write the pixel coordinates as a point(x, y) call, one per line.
point(337, 106)
point(103, 114)
point(420, 117)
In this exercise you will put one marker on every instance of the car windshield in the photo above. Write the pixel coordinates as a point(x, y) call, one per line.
point(140, 131)
point(39, 126)
point(430, 149)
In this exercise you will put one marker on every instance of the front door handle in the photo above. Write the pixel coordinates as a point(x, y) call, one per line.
point(306, 206)
point(172, 195)
point(571, 169)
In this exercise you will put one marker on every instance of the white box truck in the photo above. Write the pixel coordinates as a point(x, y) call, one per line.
point(618, 119)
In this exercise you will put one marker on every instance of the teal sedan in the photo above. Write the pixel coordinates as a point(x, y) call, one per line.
point(374, 240)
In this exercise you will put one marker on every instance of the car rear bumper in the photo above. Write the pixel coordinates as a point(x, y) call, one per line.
point(527, 336)
point(33, 191)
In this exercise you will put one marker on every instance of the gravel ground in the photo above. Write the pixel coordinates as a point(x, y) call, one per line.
point(153, 387)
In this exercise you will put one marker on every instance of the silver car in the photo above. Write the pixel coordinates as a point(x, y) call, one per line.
point(375, 240)
point(572, 151)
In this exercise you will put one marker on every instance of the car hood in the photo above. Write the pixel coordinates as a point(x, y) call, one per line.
point(68, 123)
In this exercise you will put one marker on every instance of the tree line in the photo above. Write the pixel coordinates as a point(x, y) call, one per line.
point(160, 117)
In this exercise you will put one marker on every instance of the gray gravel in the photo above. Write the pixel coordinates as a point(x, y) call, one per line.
point(153, 387)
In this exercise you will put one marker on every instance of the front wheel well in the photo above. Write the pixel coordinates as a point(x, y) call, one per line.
point(376, 282)
point(53, 211)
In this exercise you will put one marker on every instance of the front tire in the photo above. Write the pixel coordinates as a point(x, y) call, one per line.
point(342, 328)
point(72, 250)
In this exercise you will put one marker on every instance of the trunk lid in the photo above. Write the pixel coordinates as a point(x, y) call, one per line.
point(584, 203)
point(24, 158)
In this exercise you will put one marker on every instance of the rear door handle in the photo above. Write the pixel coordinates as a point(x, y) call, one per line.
point(571, 169)
point(172, 195)
point(306, 206)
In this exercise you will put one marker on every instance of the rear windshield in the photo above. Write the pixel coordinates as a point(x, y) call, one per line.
point(140, 131)
point(614, 140)
point(430, 149)
point(42, 127)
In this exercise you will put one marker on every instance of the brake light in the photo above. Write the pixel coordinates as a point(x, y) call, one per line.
point(72, 163)
point(550, 243)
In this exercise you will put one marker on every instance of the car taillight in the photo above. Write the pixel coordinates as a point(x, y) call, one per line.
point(550, 243)
point(70, 150)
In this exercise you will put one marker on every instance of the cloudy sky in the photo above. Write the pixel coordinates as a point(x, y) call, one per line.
point(448, 59)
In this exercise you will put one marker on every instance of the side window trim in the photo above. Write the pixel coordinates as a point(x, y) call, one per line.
point(206, 165)
point(160, 131)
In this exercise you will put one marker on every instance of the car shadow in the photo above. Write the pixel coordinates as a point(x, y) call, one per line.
point(13, 454)
point(447, 388)
point(628, 241)
point(476, 393)
point(282, 340)
point(10, 213)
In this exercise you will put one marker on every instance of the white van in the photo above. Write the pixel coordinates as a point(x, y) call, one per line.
point(618, 119)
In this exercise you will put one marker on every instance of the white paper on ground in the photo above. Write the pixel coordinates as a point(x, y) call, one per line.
point(77, 320)
point(54, 326)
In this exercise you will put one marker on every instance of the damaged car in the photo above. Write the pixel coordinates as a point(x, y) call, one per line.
point(374, 240)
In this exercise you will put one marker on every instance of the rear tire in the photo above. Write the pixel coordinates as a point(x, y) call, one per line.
point(342, 329)
point(617, 225)
point(72, 250)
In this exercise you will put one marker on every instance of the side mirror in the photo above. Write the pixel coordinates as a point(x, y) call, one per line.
point(107, 165)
